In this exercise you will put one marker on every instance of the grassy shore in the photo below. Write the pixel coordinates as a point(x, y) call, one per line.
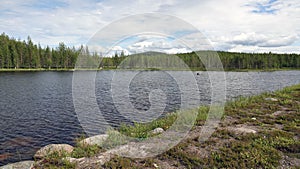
point(274, 144)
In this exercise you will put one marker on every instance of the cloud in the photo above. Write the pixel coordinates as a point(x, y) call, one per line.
point(158, 44)
point(118, 50)
point(249, 39)
point(253, 39)
point(141, 45)
point(177, 50)
point(109, 52)
point(251, 49)
point(246, 25)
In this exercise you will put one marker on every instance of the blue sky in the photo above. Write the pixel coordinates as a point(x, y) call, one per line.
point(230, 25)
point(265, 7)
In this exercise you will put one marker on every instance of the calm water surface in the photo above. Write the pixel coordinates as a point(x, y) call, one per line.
point(36, 108)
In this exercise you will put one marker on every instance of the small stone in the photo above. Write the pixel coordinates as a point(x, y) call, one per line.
point(271, 99)
point(91, 162)
point(157, 131)
point(51, 148)
point(253, 118)
point(94, 140)
point(19, 165)
point(245, 130)
point(155, 165)
point(241, 130)
point(277, 113)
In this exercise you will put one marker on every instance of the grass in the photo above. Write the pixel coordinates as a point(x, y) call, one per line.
point(275, 143)
point(86, 151)
point(54, 161)
point(142, 130)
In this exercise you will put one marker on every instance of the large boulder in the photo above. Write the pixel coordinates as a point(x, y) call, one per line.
point(19, 165)
point(94, 140)
point(51, 148)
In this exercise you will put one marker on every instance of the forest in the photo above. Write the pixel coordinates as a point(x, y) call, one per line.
point(18, 54)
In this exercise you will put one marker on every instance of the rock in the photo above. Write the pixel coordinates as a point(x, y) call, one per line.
point(71, 159)
point(19, 165)
point(277, 113)
point(92, 162)
point(241, 130)
point(51, 148)
point(157, 131)
point(271, 99)
point(245, 130)
point(253, 118)
point(95, 140)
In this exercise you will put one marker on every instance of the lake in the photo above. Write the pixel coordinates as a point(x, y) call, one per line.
point(37, 109)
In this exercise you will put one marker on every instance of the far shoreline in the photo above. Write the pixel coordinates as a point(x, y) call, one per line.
point(149, 69)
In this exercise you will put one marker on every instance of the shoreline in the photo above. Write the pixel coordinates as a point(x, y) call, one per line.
point(150, 69)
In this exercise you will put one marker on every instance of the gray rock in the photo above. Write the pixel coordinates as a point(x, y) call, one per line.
point(245, 130)
point(91, 162)
point(277, 113)
point(19, 165)
point(51, 148)
point(94, 140)
point(271, 99)
point(241, 130)
point(157, 131)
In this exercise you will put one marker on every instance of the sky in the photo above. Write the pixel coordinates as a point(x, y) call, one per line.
point(227, 25)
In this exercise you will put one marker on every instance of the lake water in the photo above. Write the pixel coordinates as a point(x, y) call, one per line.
point(36, 108)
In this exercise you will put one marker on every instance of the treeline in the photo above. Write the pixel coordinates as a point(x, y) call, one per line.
point(17, 54)
point(236, 60)
point(202, 60)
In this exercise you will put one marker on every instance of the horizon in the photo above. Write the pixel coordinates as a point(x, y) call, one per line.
point(250, 26)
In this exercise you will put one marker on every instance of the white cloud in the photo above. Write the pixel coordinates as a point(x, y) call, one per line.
point(253, 39)
point(141, 45)
point(177, 50)
point(158, 44)
point(119, 50)
point(108, 52)
point(228, 24)
point(256, 49)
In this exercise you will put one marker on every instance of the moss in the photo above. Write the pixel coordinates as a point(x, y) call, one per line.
point(119, 163)
point(184, 158)
point(85, 151)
